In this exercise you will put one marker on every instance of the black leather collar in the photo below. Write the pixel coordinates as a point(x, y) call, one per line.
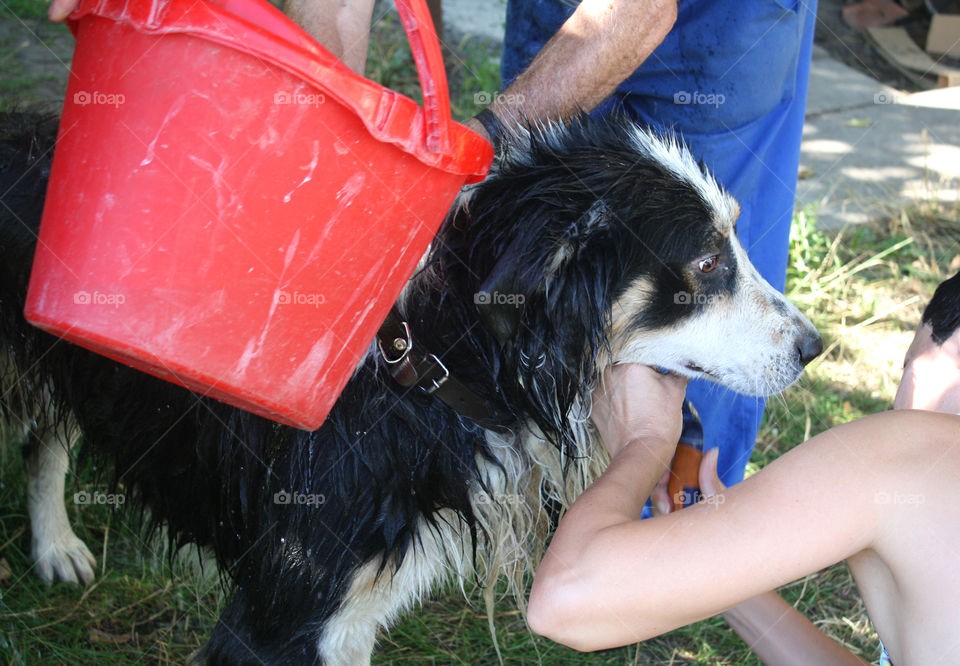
point(411, 366)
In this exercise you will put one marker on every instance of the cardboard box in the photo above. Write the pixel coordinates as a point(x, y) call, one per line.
point(944, 35)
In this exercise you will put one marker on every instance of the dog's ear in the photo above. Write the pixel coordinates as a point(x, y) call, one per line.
point(503, 294)
point(525, 266)
point(591, 224)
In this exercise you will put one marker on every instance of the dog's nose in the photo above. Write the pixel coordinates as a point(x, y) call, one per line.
point(809, 347)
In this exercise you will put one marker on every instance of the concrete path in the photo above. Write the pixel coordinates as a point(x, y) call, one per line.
point(480, 18)
point(867, 149)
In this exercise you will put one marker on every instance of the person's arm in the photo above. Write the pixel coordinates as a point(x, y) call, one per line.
point(780, 635)
point(60, 9)
point(342, 26)
point(596, 49)
point(611, 585)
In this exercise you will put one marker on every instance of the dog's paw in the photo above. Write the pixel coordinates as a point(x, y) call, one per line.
point(65, 559)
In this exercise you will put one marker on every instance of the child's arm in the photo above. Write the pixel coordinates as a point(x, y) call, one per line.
point(780, 635)
point(609, 579)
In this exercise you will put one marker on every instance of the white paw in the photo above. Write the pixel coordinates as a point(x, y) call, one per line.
point(65, 558)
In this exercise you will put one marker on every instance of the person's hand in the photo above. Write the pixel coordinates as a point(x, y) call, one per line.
point(635, 402)
point(61, 9)
point(710, 483)
point(478, 127)
point(931, 374)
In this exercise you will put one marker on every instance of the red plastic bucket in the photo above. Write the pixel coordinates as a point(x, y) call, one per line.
point(231, 208)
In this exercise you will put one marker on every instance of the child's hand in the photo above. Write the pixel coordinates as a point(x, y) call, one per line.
point(635, 402)
point(710, 483)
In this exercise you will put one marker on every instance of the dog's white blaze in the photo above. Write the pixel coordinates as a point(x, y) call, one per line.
point(667, 151)
point(664, 149)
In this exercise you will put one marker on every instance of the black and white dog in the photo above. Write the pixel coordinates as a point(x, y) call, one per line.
point(590, 244)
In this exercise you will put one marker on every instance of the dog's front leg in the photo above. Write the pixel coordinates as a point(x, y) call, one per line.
point(56, 551)
point(349, 636)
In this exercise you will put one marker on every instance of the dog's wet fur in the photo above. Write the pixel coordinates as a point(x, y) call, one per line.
point(609, 244)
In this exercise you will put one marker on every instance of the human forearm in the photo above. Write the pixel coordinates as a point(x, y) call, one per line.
point(577, 552)
point(342, 26)
point(620, 493)
point(782, 636)
point(638, 579)
point(598, 47)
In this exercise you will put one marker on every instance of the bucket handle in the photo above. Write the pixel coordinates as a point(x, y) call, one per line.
point(425, 47)
point(275, 39)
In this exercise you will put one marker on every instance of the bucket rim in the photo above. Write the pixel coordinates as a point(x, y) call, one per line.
point(389, 116)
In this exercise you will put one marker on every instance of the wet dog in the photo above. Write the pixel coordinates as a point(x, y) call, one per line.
point(591, 243)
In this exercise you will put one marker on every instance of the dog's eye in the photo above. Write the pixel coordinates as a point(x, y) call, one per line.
point(708, 264)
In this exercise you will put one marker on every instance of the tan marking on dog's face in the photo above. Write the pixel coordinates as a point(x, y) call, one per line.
point(631, 302)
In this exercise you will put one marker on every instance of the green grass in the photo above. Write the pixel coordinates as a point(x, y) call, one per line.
point(34, 57)
point(137, 611)
point(24, 9)
point(473, 72)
